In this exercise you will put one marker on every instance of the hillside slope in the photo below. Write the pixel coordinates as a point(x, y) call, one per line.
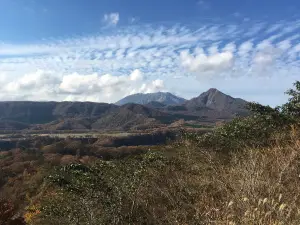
point(216, 102)
point(45, 112)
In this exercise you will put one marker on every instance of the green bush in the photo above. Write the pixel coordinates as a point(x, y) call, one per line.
point(292, 107)
point(98, 194)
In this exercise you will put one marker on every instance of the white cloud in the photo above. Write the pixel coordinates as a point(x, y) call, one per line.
point(263, 60)
point(207, 65)
point(43, 85)
point(138, 55)
point(136, 75)
point(213, 49)
point(111, 19)
point(265, 44)
point(154, 86)
point(245, 48)
point(42, 81)
point(284, 45)
point(296, 48)
point(231, 47)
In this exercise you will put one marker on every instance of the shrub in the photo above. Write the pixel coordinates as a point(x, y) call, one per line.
point(292, 107)
point(254, 131)
point(102, 193)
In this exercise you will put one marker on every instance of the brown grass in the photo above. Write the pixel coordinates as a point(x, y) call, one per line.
point(188, 185)
point(257, 186)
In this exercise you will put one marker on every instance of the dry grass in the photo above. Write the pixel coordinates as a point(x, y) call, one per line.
point(188, 185)
point(257, 186)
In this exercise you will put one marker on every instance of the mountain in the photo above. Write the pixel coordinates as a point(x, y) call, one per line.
point(45, 112)
point(17, 115)
point(165, 98)
point(143, 110)
point(209, 107)
point(216, 101)
point(126, 117)
point(155, 104)
point(21, 115)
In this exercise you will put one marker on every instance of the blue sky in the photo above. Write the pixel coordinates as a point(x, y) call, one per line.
point(96, 50)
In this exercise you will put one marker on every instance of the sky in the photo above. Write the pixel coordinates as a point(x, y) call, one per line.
point(103, 50)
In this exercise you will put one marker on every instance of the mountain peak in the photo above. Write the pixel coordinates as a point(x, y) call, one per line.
point(217, 100)
point(212, 90)
point(162, 97)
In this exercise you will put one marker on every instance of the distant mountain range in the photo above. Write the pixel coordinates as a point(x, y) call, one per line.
point(147, 111)
point(165, 98)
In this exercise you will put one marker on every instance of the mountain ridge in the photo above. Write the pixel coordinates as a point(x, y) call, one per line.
point(166, 98)
point(210, 106)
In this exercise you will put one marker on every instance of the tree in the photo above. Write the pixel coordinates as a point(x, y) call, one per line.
point(292, 107)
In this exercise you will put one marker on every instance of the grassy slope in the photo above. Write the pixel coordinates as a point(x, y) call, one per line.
point(178, 184)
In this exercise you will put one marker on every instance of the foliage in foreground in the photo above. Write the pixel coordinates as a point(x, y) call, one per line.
point(183, 186)
point(107, 192)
